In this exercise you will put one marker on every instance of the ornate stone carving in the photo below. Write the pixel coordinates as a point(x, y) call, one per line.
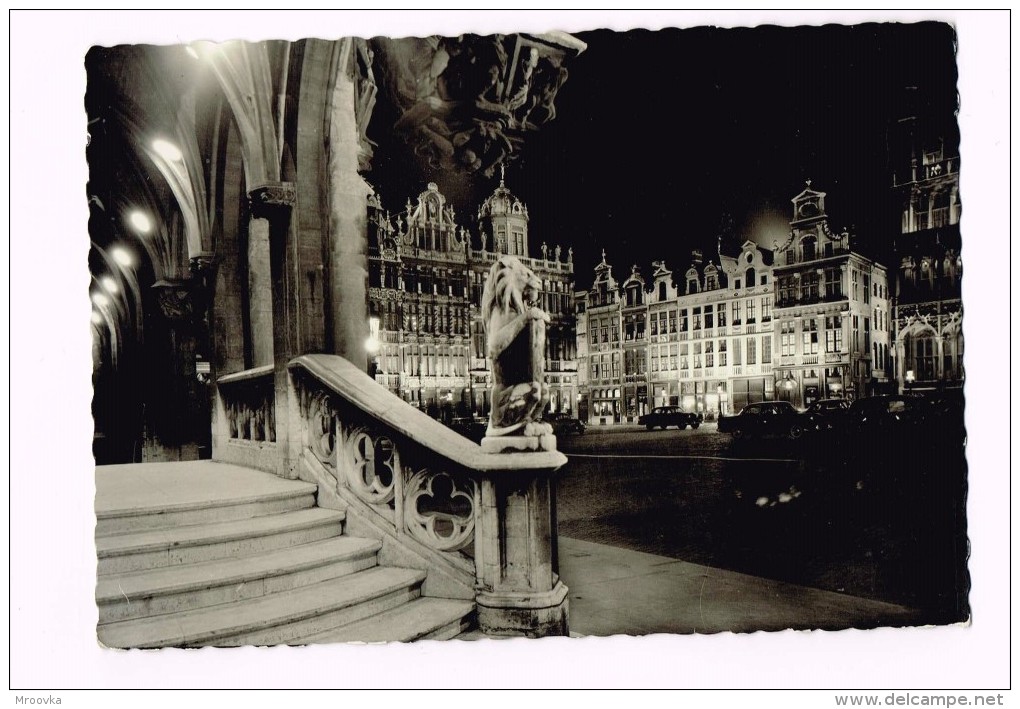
point(465, 103)
point(270, 198)
point(176, 299)
point(439, 510)
point(371, 465)
point(250, 410)
point(515, 331)
point(365, 91)
point(320, 418)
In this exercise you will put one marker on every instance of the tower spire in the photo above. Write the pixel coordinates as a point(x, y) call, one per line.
point(502, 174)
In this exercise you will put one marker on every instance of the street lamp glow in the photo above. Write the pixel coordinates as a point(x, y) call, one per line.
point(100, 299)
point(122, 257)
point(167, 150)
point(110, 285)
point(140, 221)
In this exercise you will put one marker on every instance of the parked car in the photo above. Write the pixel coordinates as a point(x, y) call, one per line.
point(826, 414)
point(665, 416)
point(471, 428)
point(766, 418)
point(886, 411)
point(564, 423)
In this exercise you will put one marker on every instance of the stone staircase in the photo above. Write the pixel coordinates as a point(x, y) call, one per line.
point(199, 554)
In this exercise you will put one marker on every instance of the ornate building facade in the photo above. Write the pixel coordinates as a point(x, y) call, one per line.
point(832, 311)
point(928, 310)
point(425, 286)
point(807, 320)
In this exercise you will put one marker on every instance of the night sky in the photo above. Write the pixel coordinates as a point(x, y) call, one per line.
point(659, 134)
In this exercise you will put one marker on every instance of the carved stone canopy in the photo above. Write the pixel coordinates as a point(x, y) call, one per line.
point(464, 103)
point(270, 199)
point(176, 299)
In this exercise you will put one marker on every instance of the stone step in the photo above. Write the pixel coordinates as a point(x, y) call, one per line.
point(160, 516)
point(152, 592)
point(136, 551)
point(275, 619)
point(421, 619)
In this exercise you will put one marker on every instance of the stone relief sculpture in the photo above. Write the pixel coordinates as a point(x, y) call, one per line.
point(515, 332)
point(464, 103)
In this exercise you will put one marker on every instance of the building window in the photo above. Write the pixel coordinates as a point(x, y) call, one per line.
point(722, 353)
point(752, 351)
point(721, 312)
point(834, 334)
point(736, 312)
point(809, 286)
point(833, 288)
point(697, 355)
point(766, 309)
point(867, 289)
point(709, 354)
point(683, 321)
point(736, 352)
point(697, 318)
point(749, 278)
point(616, 365)
point(672, 322)
point(766, 349)
point(655, 359)
point(808, 248)
point(809, 330)
point(594, 336)
point(921, 356)
point(750, 312)
point(684, 363)
point(662, 290)
point(736, 284)
point(787, 346)
point(853, 279)
point(787, 290)
point(710, 316)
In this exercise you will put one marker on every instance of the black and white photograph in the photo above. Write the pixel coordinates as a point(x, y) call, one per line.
point(535, 335)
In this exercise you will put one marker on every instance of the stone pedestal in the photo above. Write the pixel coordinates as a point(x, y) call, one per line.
point(518, 444)
point(519, 590)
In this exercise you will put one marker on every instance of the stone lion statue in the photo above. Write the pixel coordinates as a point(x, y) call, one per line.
point(515, 332)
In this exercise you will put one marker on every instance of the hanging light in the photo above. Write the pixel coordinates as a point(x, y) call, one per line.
point(167, 150)
point(100, 299)
point(122, 256)
point(140, 221)
point(110, 285)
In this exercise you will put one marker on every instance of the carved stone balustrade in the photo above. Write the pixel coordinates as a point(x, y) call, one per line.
point(245, 425)
point(483, 525)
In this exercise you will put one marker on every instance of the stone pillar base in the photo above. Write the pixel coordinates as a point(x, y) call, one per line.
point(518, 444)
point(531, 615)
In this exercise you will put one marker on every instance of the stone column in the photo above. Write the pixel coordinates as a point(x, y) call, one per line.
point(348, 219)
point(271, 299)
point(271, 204)
point(519, 589)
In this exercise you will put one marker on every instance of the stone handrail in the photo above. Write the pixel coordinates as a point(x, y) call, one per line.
point(479, 522)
